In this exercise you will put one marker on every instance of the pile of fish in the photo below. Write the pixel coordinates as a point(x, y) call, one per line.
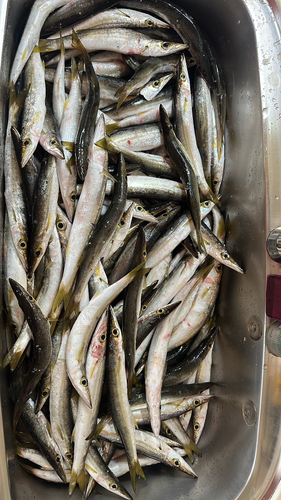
point(114, 240)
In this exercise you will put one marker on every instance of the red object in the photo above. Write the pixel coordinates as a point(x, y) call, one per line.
point(273, 296)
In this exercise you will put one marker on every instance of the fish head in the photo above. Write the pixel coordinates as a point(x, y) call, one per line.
point(51, 144)
point(22, 250)
point(28, 146)
point(36, 257)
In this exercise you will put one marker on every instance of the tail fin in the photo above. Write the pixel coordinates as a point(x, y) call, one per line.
point(135, 468)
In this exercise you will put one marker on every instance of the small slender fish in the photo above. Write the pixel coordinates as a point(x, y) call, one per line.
point(66, 169)
point(60, 415)
point(115, 18)
point(14, 194)
point(181, 160)
point(118, 39)
point(39, 13)
point(151, 90)
point(13, 268)
point(50, 136)
point(118, 400)
point(87, 417)
point(41, 346)
point(58, 97)
point(44, 211)
point(88, 117)
point(102, 474)
point(155, 368)
point(34, 107)
point(131, 310)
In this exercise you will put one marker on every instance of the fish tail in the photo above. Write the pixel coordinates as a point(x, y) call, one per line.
point(82, 480)
point(200, 242)
point(77, 44)
point(112, 127)
point(135, 469)
point(190, 449)
point(16, 356)
point(44, 46)
point(59, 298)
point(7, 358)
point(121, 99)
point(72, 482)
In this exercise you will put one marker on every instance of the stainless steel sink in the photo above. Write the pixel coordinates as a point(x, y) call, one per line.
point(241, 444)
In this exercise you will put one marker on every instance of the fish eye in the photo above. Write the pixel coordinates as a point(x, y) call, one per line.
point(224, 255)
point(144, 253)
point(45, 393)
point(156, 83)
point(22, 244)
point(176, 462)
point(30, 298)
point(196, 427)
point(144, 307)
point(102, 337)
point(115, 332)
point(196, 402)
point(61, 225)
point(84, 382)
point(160, 311)
point(113, 486)
point(68, 455)
point(206, 204)
point(215, 182)
point(38, 252)
point(219, 267)
point(26, 142)
point(122, 222)
point(149, 23)
point(58, 459)
point(168, 431)
point(73, 197)
point(183, 76)
point(139, 208)
point(165, 45)
point(53, 141)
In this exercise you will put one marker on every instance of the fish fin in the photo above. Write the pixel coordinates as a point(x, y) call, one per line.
point(77, 44)
point(121, 99)
point(72, 482)
point(112, 127)
point(200, 242)
point(15, 359)
point(62, 49)
point(70, 146)
point(7, 358)
point(13, 94)
point(44, 46)
point(36, 49)
point(134, 469)
point(102, 143)
point(99, 427)
point(82, 480)
point(74, 69)
point(119, 91)
point(59, 298)
point(135, 423)
point(107, 174)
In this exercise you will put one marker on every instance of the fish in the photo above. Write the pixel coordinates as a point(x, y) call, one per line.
point(34, 108)
point(117, 391)
point(41, 347)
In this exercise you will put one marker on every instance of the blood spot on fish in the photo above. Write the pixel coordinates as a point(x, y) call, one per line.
point(129, 143)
